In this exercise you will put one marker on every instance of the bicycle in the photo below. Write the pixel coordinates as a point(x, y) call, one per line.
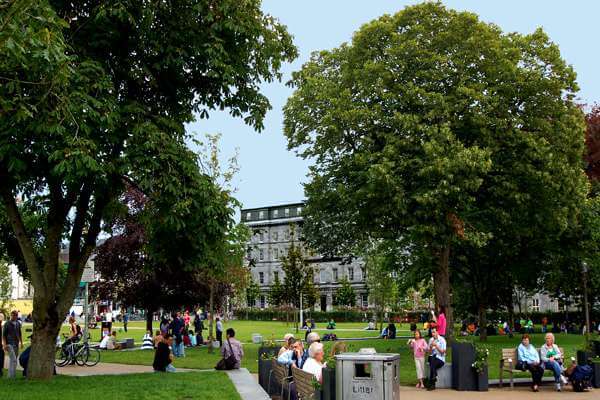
point(80, 354)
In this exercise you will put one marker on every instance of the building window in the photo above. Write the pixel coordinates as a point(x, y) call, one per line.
point(275, 236)
point(261, 254)
point(364, 300)
point(535, 304)
point(287, 212)
point(350, 274)
point(276, 275)
point(262, 301)
point(261, 278)
point(286, 234)
point(248, 215)
point(323, 276)
point(276, 254)
point(261, 236)
point(364, 273)
point(299, 210)
point(275, 213)
point(335, 274)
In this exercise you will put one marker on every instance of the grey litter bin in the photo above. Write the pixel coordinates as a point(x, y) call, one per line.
point(361, 376)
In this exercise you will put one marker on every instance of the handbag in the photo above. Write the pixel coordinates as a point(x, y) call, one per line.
point(226, 364)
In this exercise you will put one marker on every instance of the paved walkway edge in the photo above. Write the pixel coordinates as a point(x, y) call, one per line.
point(246, 385)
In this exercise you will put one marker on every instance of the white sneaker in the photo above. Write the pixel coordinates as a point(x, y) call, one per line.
point(563, 380)
point(558, 387)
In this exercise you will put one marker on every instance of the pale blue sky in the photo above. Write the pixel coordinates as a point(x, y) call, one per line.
point(271, 175)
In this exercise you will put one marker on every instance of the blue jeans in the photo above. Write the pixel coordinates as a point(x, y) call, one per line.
point(556, 368)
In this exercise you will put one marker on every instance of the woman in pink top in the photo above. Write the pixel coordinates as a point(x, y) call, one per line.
point(419, 345)
point(441, 321)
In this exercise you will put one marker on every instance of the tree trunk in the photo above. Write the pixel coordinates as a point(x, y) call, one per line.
point(511, 315)
point(211, 318)
point(441, 283)
point(482, 322)
point(46, 326)
point(149, 320)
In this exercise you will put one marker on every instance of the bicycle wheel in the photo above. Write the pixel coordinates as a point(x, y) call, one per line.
point(82, 356)
point(93, 357)
point(61, 358)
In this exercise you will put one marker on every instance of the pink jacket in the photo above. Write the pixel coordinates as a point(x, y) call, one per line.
point(419, 346)
point(441, 324)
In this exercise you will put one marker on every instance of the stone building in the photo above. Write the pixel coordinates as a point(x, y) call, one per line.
point(273, 231)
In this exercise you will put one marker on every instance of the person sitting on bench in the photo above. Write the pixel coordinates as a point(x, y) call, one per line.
point(437, 359)
point(529, 360)
point(553, 360)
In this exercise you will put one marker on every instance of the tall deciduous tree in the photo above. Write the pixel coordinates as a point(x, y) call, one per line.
point(97, 93)
point(413, 128)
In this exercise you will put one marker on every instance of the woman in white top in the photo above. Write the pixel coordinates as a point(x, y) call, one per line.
point(314, 364)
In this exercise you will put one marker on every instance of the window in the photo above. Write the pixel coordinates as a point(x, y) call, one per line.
point(286, 234)
point(275, 213)
point(364, 300)
point(364, 273)
point(261, 254)
point(323, 276)
point(335, 274)
point(261, 236)
point(350, 274)
point(248, 215)
point(261, 278)
point(276, 254)
point(535, 304)
point(275, 236)
point(262, 301)
point(298, 210)
point(261, 214)
point(287, 212)
point(276, 275)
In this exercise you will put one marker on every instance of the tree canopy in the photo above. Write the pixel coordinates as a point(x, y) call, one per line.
point(433, 130)
point(95, 95)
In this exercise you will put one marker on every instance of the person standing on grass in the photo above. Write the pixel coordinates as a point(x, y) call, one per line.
point(125, 320)
point(12, 340)
point(177, 330)
point(198, 327)
point(441, 321)
point(234, 347)
point(419, 347)
point(529, 359)
point(163, 359)
point(219, 331)
point(437, 359)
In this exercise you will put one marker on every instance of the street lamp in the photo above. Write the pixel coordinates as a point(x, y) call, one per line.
point(585, 298)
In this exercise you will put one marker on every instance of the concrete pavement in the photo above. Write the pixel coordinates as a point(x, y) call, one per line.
point(546, 392)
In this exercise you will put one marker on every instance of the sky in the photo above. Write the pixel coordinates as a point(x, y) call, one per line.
point(270, 174)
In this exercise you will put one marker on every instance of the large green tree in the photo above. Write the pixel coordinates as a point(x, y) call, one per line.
point(95, 94)
point(345, 294)
point(429, 122)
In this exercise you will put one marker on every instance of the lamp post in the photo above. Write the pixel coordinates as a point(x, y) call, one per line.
point(585, 299)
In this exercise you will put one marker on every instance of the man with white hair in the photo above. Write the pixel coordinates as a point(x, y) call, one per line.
point(314, 364)
point(312, 338)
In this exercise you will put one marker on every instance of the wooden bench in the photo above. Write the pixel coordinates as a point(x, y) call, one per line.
point(304, 384)
point(508, 363)
point(280, 374)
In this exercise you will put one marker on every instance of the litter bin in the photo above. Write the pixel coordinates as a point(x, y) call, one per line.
point(367, 375)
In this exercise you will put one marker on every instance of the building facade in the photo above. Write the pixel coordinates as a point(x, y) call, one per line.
point(274, 229)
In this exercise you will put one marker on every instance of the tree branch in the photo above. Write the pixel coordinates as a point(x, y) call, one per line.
point(18, 227)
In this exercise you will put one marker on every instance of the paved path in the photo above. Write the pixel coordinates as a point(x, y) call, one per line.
point(246, 385)
point(521, 393)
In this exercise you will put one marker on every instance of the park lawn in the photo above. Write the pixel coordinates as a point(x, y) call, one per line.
point(188, 385)
point(199, 358)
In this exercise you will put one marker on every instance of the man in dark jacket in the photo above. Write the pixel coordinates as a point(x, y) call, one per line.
point(198, 327)
point(162, 357)
point(12, 340)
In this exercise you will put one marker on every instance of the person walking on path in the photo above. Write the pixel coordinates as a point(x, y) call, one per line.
point(12, 340)
point(220, 332)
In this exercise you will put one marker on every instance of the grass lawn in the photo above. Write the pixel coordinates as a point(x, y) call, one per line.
point(200, 385)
